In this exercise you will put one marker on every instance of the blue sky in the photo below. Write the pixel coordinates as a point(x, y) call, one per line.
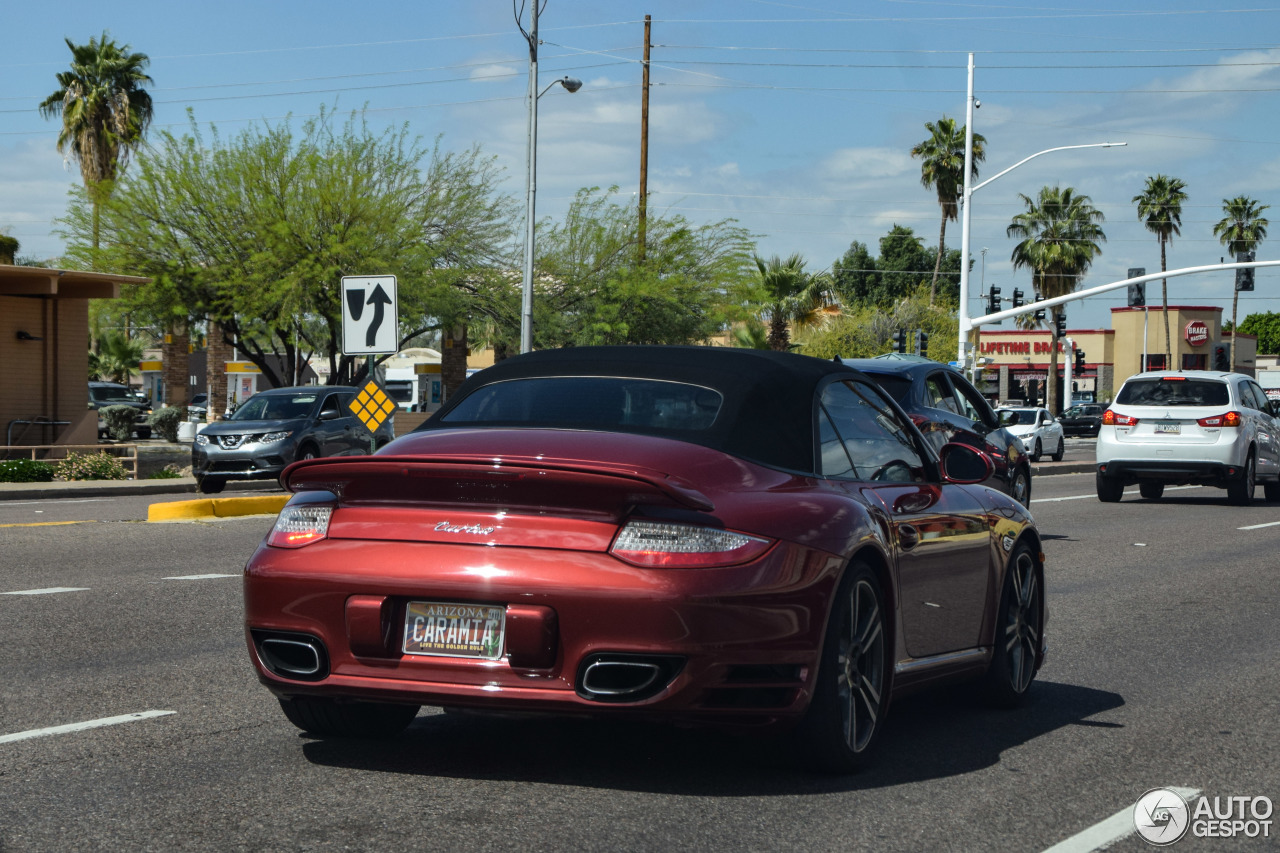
point(796, 118)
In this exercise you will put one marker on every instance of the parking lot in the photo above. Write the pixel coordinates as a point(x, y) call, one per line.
point(1163, 647)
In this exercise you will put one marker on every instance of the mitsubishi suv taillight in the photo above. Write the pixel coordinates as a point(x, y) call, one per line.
point(1230, 419)
point(1111, 418)
point(666, 545)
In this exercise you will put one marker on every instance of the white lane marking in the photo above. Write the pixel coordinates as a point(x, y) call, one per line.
point(197, 577)
point(1258, 526)
point(79, 727)
point(4, 504)
point(48, 590)
point(1086, 497)
point(1108, 832)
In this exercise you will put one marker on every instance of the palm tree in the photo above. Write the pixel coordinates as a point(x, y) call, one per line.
point(942, 168)
point(1160, 209)
point(1241, 230)
point(104, 112)
point(791, 295)
point(1060, 231)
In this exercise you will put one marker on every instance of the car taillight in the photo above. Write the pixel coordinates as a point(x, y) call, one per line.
point(1230, 419)
point(300, 525)
point(684, 546)
point(1111, 418)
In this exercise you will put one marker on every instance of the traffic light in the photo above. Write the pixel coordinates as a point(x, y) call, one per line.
point(1244, 278)
point(993, 300)
point(1137, 294)
point(1039, 311)
point(922, 342)
point(1060, 323)
point(1079, 367)
point(899, 341)
point(1017, 298)
point(1222, 357)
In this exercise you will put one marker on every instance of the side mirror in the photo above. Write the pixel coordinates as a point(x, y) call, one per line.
point(330, 414)
point(964, 465)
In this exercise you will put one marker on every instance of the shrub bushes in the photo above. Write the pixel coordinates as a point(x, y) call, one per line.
point(119, 421)
point(166, 421)
point(92, 466)
point(168, 472)
point(25, 471)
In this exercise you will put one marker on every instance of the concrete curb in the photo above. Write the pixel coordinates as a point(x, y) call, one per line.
point(1050, 468)
point(216, 508)
point(112, 488)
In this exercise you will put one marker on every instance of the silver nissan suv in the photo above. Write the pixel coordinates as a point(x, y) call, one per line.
point(1195, 427)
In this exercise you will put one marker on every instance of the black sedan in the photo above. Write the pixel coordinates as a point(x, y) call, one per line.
point(947, 408)
point(1082, 420)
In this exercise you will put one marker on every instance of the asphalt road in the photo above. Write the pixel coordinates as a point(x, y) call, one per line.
point(1165, 645)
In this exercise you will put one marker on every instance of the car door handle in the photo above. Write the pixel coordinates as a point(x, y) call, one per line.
point(908, 536)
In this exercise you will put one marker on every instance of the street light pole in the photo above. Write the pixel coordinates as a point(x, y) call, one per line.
point(967, 208)
point(571, 85)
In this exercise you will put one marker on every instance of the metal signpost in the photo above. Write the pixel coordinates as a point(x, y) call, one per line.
point(369, 328)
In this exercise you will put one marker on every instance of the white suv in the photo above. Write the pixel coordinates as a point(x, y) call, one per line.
point(1202, 427)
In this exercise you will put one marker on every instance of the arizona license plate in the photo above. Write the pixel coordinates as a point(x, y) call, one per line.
point(1165, 428)
point(454, 630)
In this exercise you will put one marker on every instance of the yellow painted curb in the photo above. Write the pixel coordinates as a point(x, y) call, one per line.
point(216, 508)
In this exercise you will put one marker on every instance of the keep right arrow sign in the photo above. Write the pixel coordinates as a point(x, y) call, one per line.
point(369, 306)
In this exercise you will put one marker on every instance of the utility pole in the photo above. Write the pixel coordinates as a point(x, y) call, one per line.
point(644, 138)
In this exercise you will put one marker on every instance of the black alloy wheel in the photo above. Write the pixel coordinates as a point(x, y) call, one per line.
point(1240, 490)
point(1151, 491)
point(1021, 487)
point(327, 718)
point(1110, 489)
point(1039, 451)
point(1019, 630)
point(1062, 449)
point(850, 697)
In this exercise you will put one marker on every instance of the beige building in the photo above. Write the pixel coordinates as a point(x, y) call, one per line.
point(1016, 366)
point(44, 352)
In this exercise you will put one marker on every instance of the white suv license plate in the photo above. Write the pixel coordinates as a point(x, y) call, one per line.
point(453, 630)
point(1167, 428)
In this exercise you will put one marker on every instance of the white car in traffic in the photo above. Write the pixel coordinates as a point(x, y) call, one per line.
point(1037, 429)
point(1190, 427)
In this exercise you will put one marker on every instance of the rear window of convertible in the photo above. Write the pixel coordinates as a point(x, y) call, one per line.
point(591, 402)
point(1174, 392)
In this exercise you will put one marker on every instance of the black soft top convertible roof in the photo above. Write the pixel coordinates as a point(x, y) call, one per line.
point(767, 414)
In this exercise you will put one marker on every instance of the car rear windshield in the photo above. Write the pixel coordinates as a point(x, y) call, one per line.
point(1174, 392)
point(899, 387)
point(591, 402)
point(102, 395)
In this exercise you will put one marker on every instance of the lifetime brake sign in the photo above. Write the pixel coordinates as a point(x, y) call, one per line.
point(369, 311)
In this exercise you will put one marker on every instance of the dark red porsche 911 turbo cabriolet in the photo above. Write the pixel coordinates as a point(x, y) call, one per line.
point(698, 534)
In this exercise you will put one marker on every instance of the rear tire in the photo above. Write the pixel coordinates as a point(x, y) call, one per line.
point(1062, 449)
point(210, 485)
point(1110, 489)
point(1021, 488)
point(851, 693)
point(1038, 452)
point(1151, 491)
point(1271, 491)
point(327, 718)
point(1240, 492)
point(1019, 633)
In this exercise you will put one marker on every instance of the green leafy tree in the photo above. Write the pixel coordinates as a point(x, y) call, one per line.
point(865, 330)
point(104, 111)
point(255, 233)
point(1060, 233)
point(1240, 230)
point(1267, 329)
point(591, 287)
point(854, 276)
point(115, 358)
point(789, 297)
point(1160, 210)
point(942, 169)
point(8, 249)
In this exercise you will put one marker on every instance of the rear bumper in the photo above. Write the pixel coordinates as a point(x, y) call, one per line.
point(1172, 471)
point(747, 638)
